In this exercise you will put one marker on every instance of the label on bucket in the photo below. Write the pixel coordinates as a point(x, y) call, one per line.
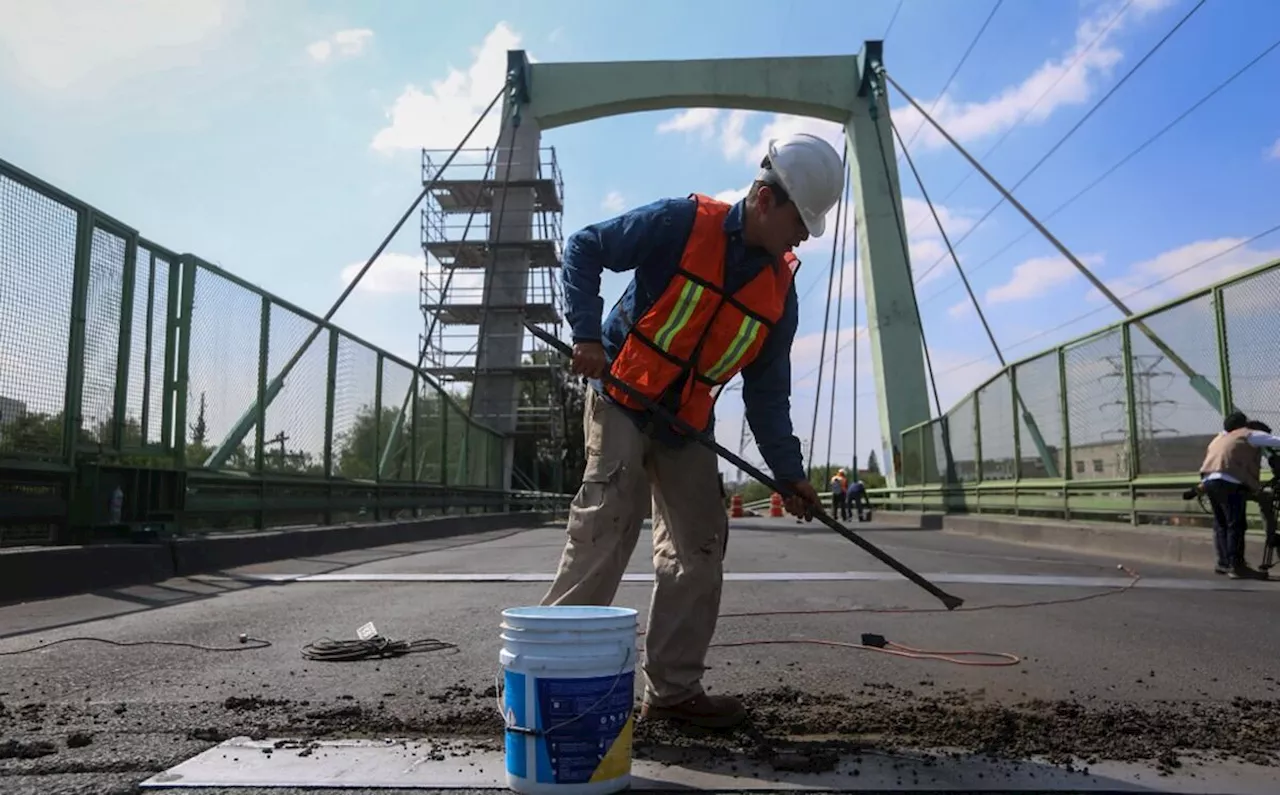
point(588, 728)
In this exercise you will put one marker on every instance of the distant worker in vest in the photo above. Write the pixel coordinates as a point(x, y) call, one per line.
point(1230, 475)
point(839, 505)
point(857, 494)
point(712, 296)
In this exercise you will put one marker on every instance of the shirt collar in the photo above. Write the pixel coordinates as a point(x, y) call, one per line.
point(733, 227)
point(733, 221)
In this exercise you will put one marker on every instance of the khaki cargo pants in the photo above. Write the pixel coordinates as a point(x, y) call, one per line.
point(690, 533)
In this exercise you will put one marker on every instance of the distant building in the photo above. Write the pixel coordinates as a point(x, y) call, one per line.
point(1106, 460)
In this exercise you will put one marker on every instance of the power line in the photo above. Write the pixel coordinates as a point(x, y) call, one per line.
point(892, 20)
point(1133, 70)
point(1070, 132)
point(954, 72)
point(1181, 117)
point(1270, 231)
point(1071, 67)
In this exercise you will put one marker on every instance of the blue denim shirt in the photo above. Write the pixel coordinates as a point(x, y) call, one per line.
point(650, 241)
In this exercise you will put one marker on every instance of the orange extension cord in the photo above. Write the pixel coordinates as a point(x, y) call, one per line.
point(995, 659)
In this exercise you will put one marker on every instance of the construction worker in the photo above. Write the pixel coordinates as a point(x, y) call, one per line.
point(1230, 475)
point(857, 494)
point(839, 507)
point(713, 295)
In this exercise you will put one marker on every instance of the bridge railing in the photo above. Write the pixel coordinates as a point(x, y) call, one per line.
point(138, 385)
point(1110, 426)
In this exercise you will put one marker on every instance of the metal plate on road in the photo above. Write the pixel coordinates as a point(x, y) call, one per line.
point(458, 765)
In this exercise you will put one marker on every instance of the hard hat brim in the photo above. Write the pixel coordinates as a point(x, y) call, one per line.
point(816, 226)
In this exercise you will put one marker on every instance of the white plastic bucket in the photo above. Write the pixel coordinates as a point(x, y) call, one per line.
point(568, 691)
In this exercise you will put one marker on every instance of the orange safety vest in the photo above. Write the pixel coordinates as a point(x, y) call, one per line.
point(695, 322)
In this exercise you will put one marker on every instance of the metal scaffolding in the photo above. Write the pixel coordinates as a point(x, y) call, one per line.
point(470, 246)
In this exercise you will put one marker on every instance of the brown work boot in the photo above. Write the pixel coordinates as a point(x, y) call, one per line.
point(704, 711)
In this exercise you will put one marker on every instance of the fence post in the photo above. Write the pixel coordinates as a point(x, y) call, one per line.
point(173, 298)
point(1131, 414)
point(124, 341)
point(377, 436)
point(1017, 432)
point(1065, 407)
point(329, 396)
point(73, 397)
point(414, 466)
point(149, 342)
point(977, 437)
point(1224, 358)
point(264, 357)
point(186, 305)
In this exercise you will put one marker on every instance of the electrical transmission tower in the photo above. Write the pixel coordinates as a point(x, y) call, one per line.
point(1146, 425)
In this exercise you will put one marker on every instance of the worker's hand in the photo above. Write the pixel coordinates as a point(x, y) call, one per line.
point(588, 359)
point(805, 502)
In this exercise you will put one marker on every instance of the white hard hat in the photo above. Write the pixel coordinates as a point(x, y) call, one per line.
point(811, 172)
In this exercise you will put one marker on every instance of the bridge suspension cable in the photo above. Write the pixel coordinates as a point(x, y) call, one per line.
point(1046, 456)
point(431, 325)
point(826, 320)
point(1005, 195)
point(1071, 67)
point(237, 433)
point(901, 226)
point(1145, 288)
point(842, 231)
point(1198, 382)
point(972, 43)
point(1121, 162)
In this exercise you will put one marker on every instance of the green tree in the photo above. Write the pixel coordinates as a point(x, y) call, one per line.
point(200, 429)
point(873, 462)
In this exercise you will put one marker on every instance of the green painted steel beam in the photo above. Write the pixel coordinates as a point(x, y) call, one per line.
point(821, 87)
point(893, 323)
point(833, 88)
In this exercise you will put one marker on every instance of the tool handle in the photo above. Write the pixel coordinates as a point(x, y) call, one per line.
point(949, 601)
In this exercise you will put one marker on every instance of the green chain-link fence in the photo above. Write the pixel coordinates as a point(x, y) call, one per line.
point(1113, 425)
point(170, 365)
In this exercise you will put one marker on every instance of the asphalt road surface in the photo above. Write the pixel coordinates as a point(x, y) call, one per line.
point(1168, 681)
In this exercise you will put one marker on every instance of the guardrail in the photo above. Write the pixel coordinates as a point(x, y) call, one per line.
point(1111, 426)
point(139, 386)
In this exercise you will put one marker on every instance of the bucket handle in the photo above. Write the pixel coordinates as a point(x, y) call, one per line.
point(509, 719)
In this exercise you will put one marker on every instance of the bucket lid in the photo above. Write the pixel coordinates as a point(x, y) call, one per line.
point(568, 613)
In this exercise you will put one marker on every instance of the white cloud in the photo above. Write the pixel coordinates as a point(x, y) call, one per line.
point(1182, 273)
point(348, 43)
point(57, 44)
point(701, 120)
point(391, 273)
point(960, 310)
point(614, 202)
point(733, 195)
point(1037, 276)
point(1274, 151)
point(439, 119)
point(1070, 79)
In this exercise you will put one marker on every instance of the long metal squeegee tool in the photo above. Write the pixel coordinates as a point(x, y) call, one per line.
point(949, 601)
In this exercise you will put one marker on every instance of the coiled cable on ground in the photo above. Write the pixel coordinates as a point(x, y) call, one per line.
point(377, 647)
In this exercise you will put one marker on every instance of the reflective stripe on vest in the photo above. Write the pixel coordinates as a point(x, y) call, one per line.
point(695, 337)
point(747, 332)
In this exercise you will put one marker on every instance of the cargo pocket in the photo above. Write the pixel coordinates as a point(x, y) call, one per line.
point(602, 502)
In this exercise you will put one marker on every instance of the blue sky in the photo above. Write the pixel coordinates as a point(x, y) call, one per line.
point(281, 141)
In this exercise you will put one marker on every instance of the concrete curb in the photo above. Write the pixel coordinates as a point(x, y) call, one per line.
point(47, 572)
point(1122, 543)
